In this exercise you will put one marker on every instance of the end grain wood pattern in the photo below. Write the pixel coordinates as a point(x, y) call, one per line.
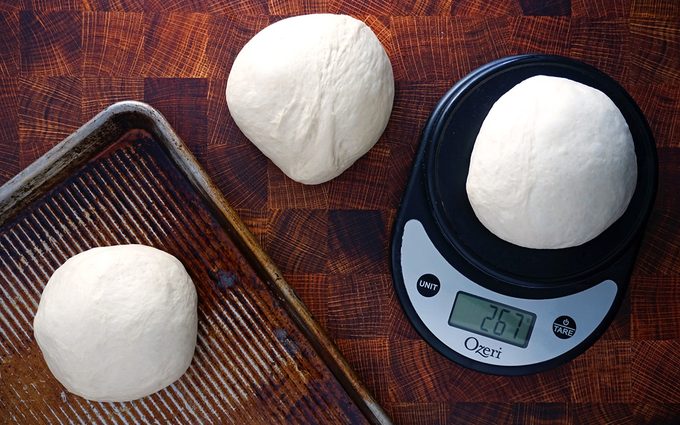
point(61, 61)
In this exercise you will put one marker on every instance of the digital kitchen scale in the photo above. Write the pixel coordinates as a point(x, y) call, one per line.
point(487, 304)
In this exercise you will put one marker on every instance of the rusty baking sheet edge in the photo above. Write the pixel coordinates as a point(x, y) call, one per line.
point(106, 127)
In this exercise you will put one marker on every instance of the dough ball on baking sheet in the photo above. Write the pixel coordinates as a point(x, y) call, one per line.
point(313, 93)
point(118, 323)
point(553, 165)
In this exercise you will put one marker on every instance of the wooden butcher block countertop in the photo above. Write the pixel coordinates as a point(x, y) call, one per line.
point(62, 61)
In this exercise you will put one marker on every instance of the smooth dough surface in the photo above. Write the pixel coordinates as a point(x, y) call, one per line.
point(118, 323)
point(553, 164)
point(313, 93)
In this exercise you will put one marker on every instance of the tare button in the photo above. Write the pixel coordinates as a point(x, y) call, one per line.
point(564, 327)
point(428, 285)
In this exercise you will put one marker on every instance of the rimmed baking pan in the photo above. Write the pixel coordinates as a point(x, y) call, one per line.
point(126, 177)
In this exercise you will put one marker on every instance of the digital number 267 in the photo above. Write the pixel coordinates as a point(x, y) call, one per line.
point(499, 327)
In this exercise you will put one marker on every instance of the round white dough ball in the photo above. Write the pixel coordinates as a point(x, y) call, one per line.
point(118, 323)
point(313, 93)
point(553, 165)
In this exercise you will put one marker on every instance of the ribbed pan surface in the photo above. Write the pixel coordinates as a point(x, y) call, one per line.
point(251, 365)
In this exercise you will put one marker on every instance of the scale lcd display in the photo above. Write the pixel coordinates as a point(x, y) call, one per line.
point(492, 319)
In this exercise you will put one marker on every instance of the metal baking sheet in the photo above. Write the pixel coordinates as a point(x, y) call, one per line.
point(125, 177)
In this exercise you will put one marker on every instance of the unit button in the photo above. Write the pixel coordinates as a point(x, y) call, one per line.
point(564, 327)
point(428, 285)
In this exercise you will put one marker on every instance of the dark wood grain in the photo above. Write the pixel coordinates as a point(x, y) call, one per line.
point(9, 129)
point(104, 91)
point(113, 44)
point(49, 110)
point(184, 102)
point(50, 43)
point(9, 44)
point(60, 61)
point(546, 7)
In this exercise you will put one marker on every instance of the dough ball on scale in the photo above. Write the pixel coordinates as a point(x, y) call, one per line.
point(553, 165)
